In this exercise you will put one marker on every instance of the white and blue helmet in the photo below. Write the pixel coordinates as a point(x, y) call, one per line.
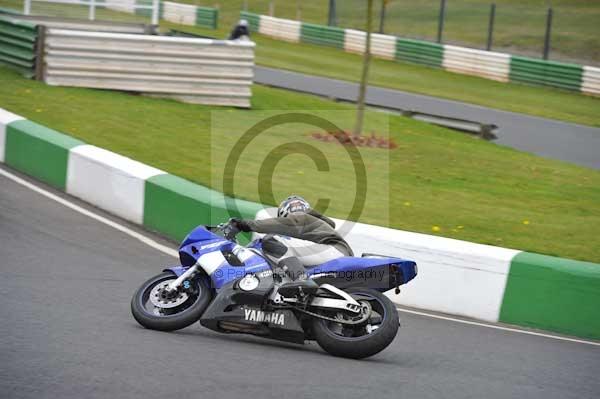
point(292, 204)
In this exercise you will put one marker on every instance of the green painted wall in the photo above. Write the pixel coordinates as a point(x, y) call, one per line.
point(253, 20)
point(174, 206)
point(555, 294)
point(323, 35)
point(207, 17)
point(547, 73)
point(420, 52)
point(39, 152)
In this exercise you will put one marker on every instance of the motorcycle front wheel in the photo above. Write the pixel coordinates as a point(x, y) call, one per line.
point(157, 309)
point(364, 339)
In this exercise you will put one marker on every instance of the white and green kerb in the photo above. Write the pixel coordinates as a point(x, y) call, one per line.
point(457, 277)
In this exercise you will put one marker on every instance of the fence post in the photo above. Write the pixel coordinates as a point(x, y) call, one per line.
point(299, 10)
point(490, 37)
point(27, 7)
point(272, 8)
point(441, 20)
point(40, 48)
point(331, 20)
point(245, 5)
point(548, 33)
point(92, 13)
point(155, 10)
point(382, 15)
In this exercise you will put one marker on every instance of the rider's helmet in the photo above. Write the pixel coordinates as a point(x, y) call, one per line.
point(292, 204)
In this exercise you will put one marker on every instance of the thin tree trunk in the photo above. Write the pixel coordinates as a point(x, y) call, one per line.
point(364, 79)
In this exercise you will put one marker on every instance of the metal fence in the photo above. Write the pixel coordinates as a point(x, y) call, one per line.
point(566, 30)
point(488, 64)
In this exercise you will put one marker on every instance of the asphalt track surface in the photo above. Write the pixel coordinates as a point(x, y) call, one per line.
point(66, 332)
point(545, 137)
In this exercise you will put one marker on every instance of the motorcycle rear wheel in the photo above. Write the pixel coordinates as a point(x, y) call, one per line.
point(365, 339)
point(194, 303)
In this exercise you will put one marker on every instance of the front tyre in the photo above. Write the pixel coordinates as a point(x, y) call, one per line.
point(156, 309)
point(365, 339)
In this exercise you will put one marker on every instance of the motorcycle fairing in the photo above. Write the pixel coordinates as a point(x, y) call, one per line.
point(237, 311)
point(382, 273)
point(202, 243)
point(349, 264)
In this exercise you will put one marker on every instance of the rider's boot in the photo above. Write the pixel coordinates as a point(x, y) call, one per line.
point(300, 284)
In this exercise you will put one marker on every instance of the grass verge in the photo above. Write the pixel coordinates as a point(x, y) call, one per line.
point(440, 182)
point(519, 25)
point(323, 61)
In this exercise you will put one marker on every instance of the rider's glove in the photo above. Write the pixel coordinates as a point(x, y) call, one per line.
point(239, 224)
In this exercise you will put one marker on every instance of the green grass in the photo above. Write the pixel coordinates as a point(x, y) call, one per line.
point(519, 25)
point(317, 60)
point(471, 189)
point(324, 61)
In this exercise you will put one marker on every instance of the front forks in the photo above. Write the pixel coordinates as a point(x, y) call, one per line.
point(174, 285)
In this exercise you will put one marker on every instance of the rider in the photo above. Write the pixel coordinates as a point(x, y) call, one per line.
point(298, 237)
point(240, 31)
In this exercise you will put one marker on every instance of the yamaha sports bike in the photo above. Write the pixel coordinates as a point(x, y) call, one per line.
point(230, 288)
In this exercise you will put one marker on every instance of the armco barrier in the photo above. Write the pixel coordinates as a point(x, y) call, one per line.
point(143, 11)
point(186, 14)
point(591, 80)
point(383, 46)
point(486, 64)
point(253, 20)
point(468, 61)
point(183, 14)
point(278, 28)
point(193, 70)
point(547, 73)
point(4, 10)
point(207, 17)
point(457, 277)
point(323, 35)
point(18, 45)
point(419, 52)
point(123, 6)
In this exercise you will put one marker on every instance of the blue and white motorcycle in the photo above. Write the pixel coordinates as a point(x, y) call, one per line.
point(233, 289)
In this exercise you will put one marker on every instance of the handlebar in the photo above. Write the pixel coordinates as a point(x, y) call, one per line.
point(229, 232)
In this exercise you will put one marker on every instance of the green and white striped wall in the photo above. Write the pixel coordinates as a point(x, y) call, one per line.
point(127, 188)
point(456, 277)
point(186, 14)
point(486, 64)
point(18, 44)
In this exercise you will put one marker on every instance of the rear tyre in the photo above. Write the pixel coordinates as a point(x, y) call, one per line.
point(165, 313)
point(365, 339)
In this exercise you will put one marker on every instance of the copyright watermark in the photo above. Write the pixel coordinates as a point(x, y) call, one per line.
point(267, 156)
